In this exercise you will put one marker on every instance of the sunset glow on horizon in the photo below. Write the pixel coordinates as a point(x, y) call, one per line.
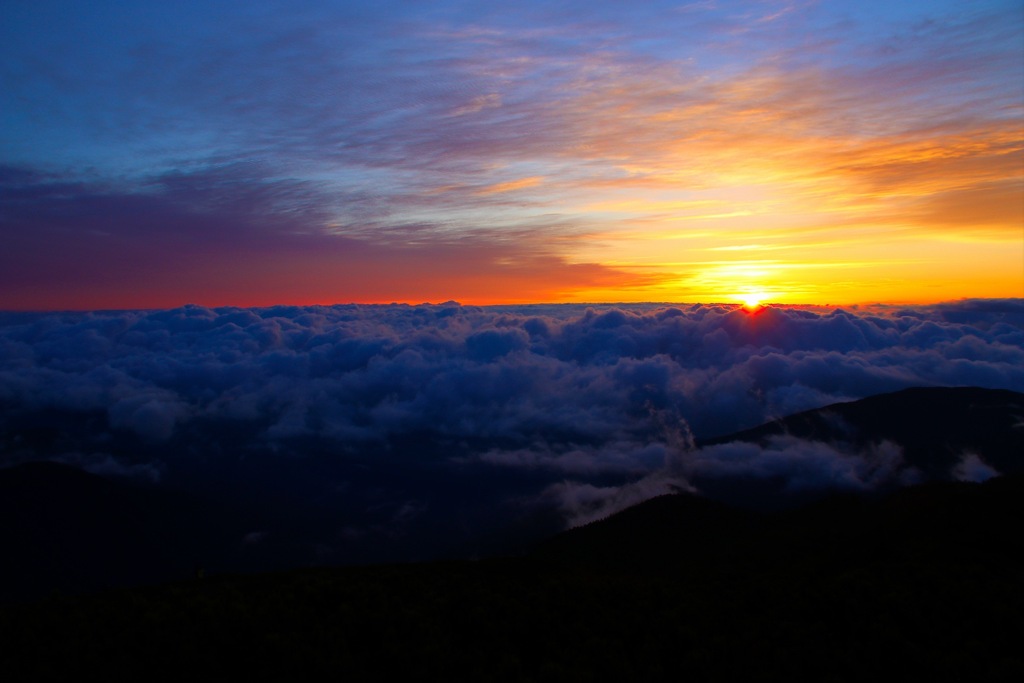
point(767, 152)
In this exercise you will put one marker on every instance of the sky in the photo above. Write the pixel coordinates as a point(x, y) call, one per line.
point(154, 154)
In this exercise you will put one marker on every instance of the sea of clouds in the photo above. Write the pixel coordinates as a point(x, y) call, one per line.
point(400, 410)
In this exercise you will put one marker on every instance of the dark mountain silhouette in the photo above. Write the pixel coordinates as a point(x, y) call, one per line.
point(667, 529)
point(922, 584)
point(65, 530)
point(960, 521)
point(935, 426)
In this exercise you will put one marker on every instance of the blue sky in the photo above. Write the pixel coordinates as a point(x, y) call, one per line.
point(535, 152)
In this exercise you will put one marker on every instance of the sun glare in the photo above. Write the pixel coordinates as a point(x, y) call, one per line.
point(752, 300)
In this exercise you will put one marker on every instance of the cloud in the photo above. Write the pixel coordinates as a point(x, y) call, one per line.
point(227, 160)
point(340, 153)
point(356, 430)
point(564, 390)
point(107, 465)
point(803, 465)
point(972, 468)
point(149, 416)
point(238, 233)
point(512, 185)
point(477, 104)
point(582, 503)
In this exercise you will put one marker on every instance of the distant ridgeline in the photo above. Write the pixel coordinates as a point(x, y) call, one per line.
point(942, 431)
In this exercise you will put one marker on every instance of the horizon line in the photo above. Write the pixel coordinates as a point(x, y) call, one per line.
point(454, 302)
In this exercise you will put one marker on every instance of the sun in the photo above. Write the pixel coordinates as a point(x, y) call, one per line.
point(752, 300)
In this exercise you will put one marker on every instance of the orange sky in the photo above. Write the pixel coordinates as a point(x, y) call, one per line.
point(796, 152)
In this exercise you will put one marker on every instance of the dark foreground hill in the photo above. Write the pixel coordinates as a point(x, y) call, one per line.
point(923, 584)
point(65, 530)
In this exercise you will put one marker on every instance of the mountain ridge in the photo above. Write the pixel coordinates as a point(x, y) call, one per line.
point(934, 425)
